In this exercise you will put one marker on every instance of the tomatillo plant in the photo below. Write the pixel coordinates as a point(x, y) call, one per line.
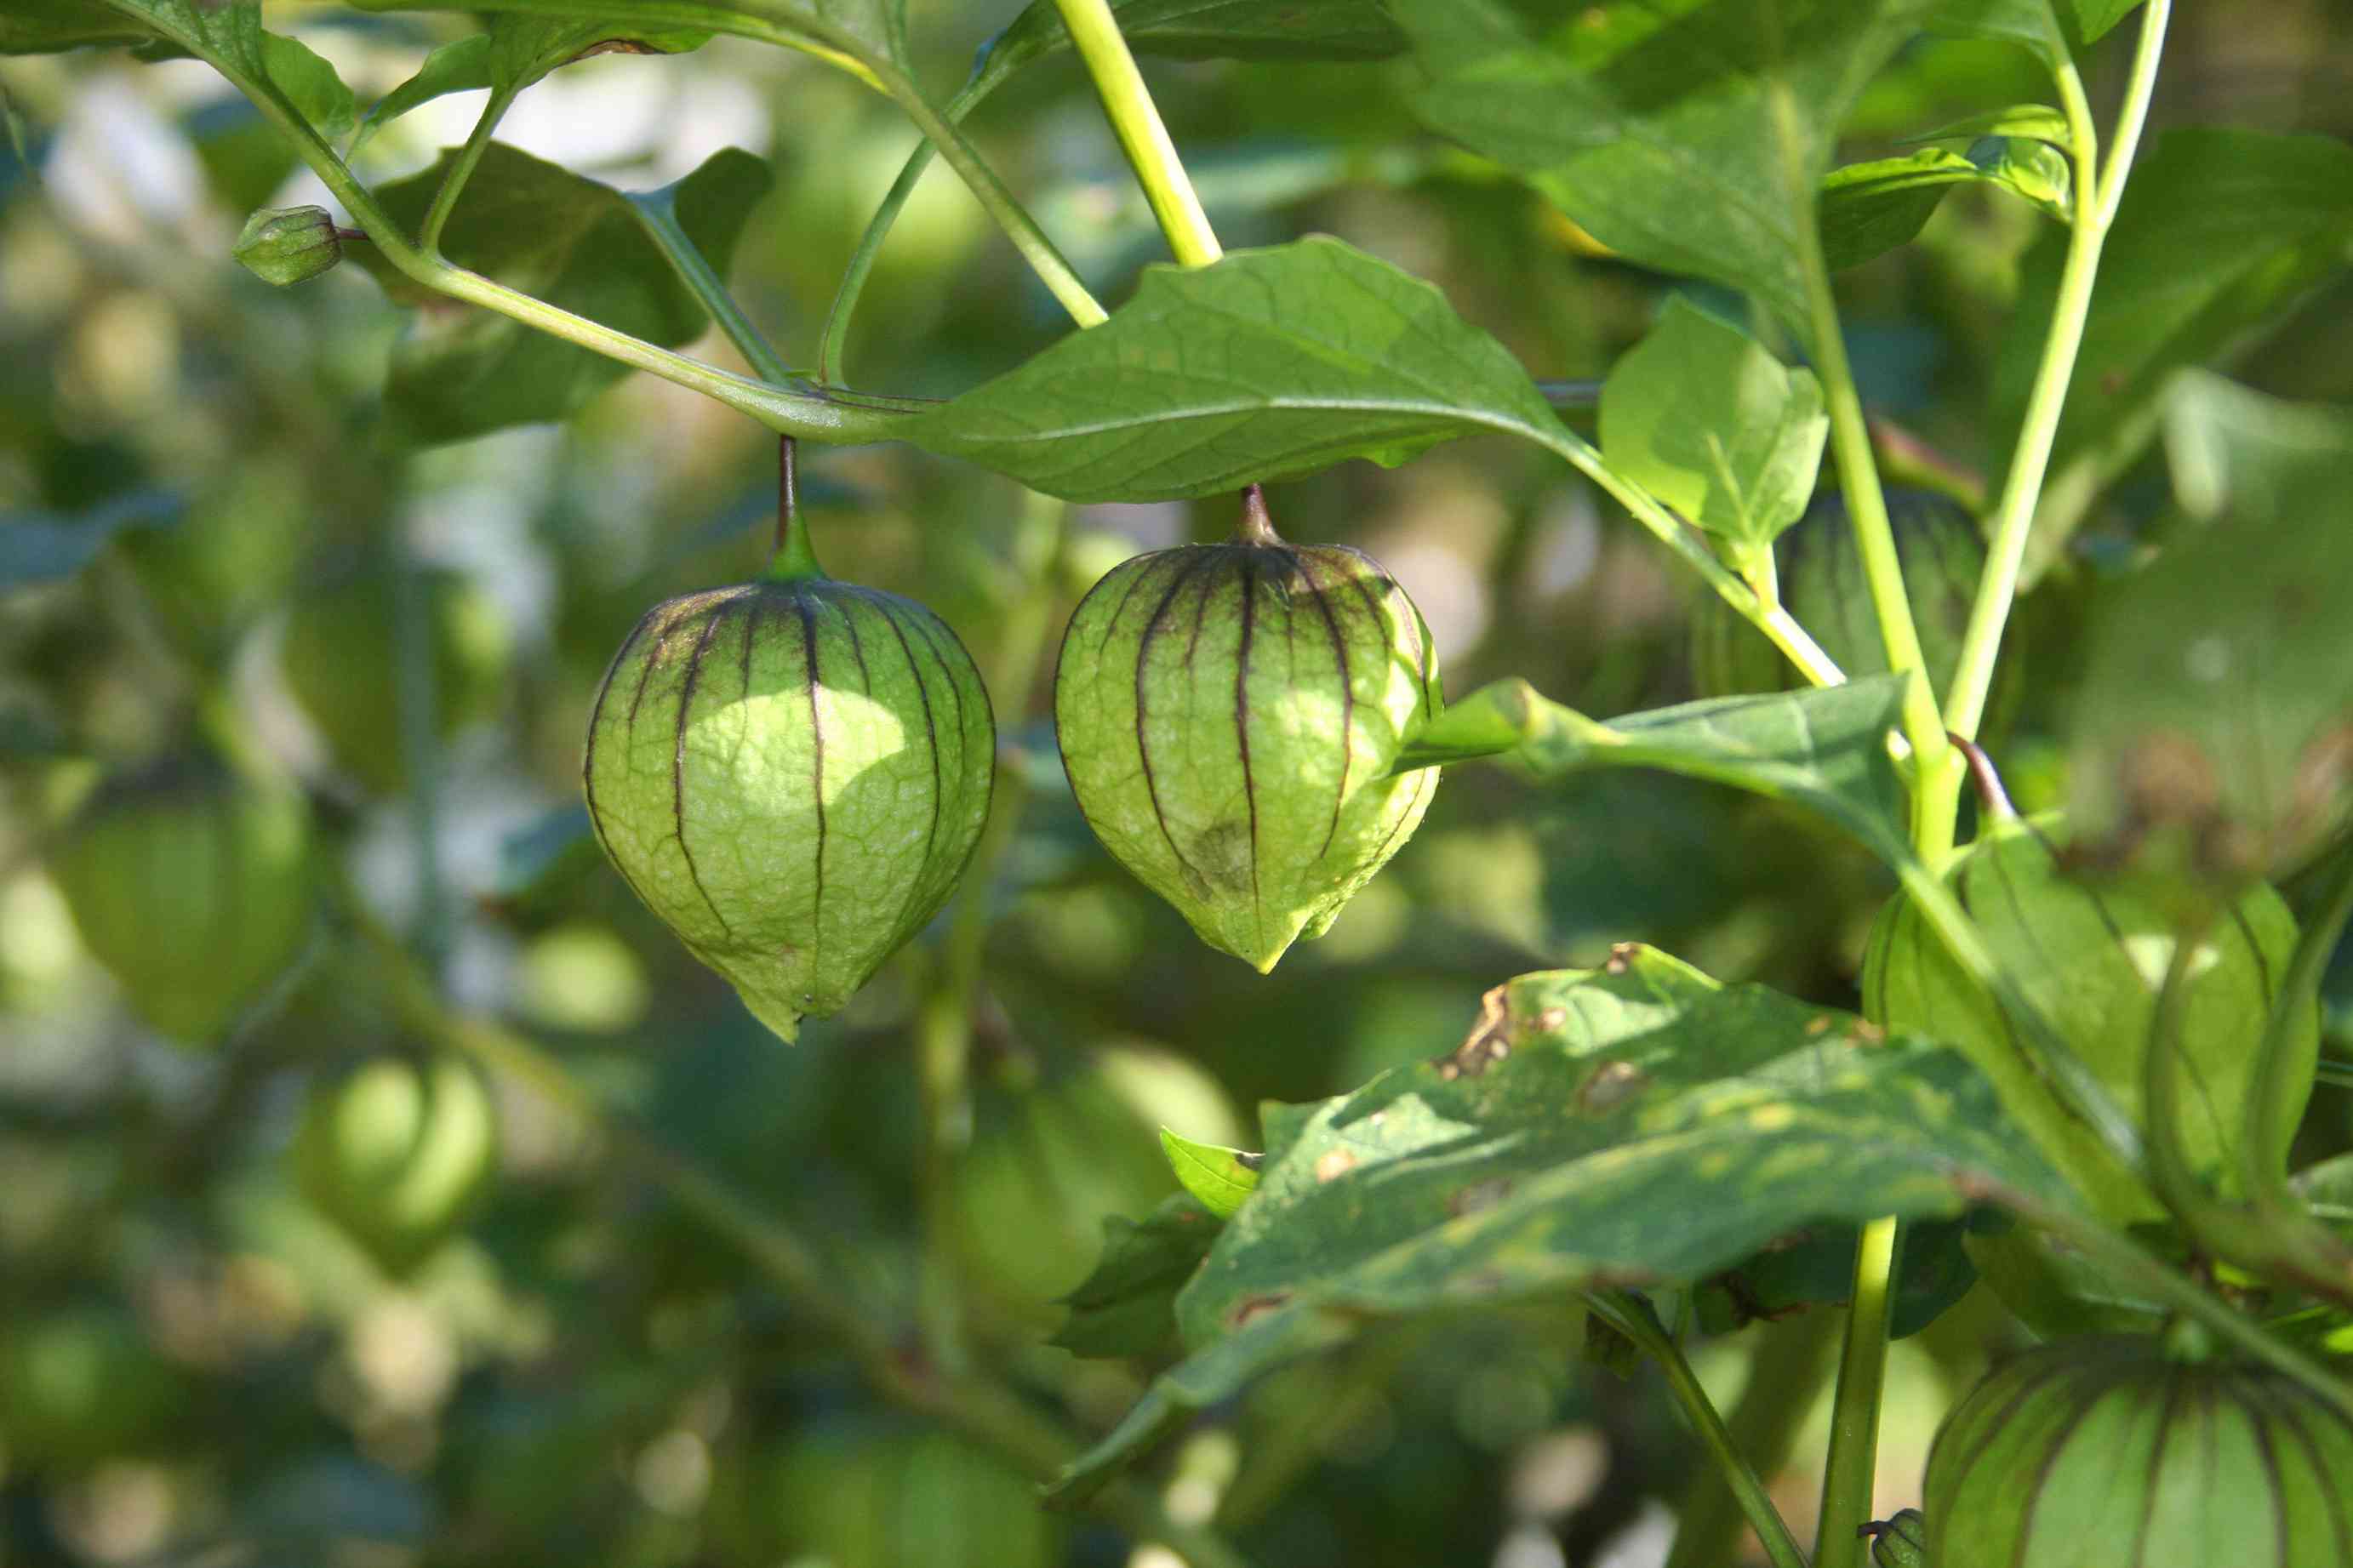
point(2078, 1048)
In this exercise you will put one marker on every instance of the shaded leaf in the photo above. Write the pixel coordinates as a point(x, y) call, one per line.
point(1127, 1306)
point(45, 26)
point(1269, 365)
point(1634, 1124)
point(2216, 709)
point(1213, 1174)
point(515, 52)
point(2031, 25)
point(1216, 29)
point(38, 548)
point(1687, 137)
point(2218, 232)
point(866, 36)
point(1716, 427)
point(562, 238)
point(1869, 209)
point(1816, 1268)
point(1824, 747)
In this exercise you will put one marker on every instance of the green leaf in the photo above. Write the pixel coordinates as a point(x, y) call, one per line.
point(2219, 233)
point(1218, 1177)
point(1824, 747)
point(1637, 1124)
point(1689, 137)
point(38, 548)
point(1816, 1268)
point(515, 52)
point(1869, 209)
point(2036, 121)
point(310, 85)
point(1216, 29)
point(1269, 365)
point(2031, 25)
point(2215, 715)
point(45, 26)
point(2091, 18)
point(1127, 1306)
point(1716, 427)
point(565, 240)
point(864, 36)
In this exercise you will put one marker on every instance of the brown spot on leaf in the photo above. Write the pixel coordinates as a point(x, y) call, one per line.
point(1478, 1195)
point(1611, 1085)
point(1334, 1164)
point(1489, 1041)
point(1622, 957)
point(1819, 1025)
point(1253, 1307)
point(1866, 1034)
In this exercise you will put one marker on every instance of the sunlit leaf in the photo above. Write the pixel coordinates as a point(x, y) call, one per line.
point(1713, 425)
point(515, 52)
point(1269, 365)
point(1869, 209)
point(1688, 137)
point(1213, 1174)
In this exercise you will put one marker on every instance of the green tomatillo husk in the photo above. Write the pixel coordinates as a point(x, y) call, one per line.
point(2108, 1453)
point(1229, 715)
point(288, 245)
point(2092, 961)
point(396, 1152)
point(192, 884)
point(792, 773)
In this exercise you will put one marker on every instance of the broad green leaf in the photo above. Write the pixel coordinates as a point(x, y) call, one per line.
point(2036, 121)
point(1216, 29)
point(1816, 1268)
point(229, 36)
point(2219, 233)
point(310, 85)
point(1636, 1124)
point(1869, 209)
point(565, 240)
point(2091, 18)
point(2031, 25)
point(515, 52)
point(1824, 747)
point(45, 26)
point(38, 548)
point(1269, 365)
point(1687, 136)
point(865, 37)
point(1713, 425)
point(1127, 1306)
point(2215, 715)
point(1215, 1174)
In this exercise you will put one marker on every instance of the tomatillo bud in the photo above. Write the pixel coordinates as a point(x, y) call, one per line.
point(288, 245)
point(791, 773)
point(1229, 716)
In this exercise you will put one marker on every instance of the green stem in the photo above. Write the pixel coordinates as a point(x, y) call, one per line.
point(2139, 88)
point(943, 1024)
point(985, 1413)
point(421, 750)
point(1631, 1316)
point(2129, 1263)
point(1011, 217)
point(658, 211)
point(1786, 1364)
point(1127, 102)
point(833, 346)
point(1774, 622)
point(1850, 1469)
point(789, 410)
point(2267, 1105)
point(453, 184)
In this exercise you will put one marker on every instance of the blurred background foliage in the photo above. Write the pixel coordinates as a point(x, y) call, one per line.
point(518, 1349)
